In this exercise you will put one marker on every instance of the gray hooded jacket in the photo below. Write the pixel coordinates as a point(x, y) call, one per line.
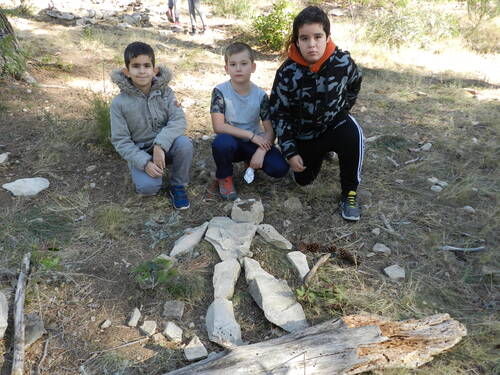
point(140, 121)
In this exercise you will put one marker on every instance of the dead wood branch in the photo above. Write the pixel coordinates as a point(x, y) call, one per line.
point(464, 249)
point(315, 268)
point(388, 227)
point(351, 345)
point(18, 358)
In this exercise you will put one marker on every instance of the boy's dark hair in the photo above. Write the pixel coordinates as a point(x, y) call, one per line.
point(135, 49)
point(308, 15)
point(238, 47)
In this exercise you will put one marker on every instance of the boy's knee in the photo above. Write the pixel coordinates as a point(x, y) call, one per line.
point(224, 142)
point(148, 188)
point(278, 171)
point(183, 144)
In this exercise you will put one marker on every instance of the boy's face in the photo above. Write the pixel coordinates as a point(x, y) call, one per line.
point(240, 67)
point(312, 42)
point(141, 71)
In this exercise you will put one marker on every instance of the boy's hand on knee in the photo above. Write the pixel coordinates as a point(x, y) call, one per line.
point(296, 163)
point(159, 157)
point(153, 170)
point(261, 142)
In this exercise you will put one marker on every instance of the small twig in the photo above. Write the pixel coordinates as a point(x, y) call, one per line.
point(343, 236)
point(45, 349)
point(314, 269)
point(138, 341)
point(411, 161)
point(388, 226)
point(18, 357)
point(396, 164)
point(464, 249)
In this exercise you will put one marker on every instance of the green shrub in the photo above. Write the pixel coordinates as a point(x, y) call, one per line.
point(154, 272)
point(12, 62)
point(100, 112)
point(272, 29)
point(235, 8)
point(408, 25)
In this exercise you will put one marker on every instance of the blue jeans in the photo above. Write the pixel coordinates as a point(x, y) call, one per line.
point(227, 150)
point(180, 156)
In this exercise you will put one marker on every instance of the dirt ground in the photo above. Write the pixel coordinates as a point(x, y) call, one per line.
point(89, 229)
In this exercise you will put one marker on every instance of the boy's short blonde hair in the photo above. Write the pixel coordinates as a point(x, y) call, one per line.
point(238, 47)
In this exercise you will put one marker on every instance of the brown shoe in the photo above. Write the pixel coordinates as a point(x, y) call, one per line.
point(226, 188)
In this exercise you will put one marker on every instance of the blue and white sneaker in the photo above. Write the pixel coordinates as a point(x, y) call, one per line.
point(179, 197)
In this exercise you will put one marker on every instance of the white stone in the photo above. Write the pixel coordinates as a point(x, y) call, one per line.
point(433, 180)
point(173, 309)
point(376, 231)
point(134, 318)
point(381, 248)
point(226, 275)
point(173, 332)
point(436, 188)
point(293, 204)
point(4, 157)
point(148, 327)
point(92, 185)
point(34, 329)
point(205, 137)
point(401, 182)
point(443, 184)
point(231, 240)
point(469, 209)
point(271, 235)
point(91, 168)
point(247, 211)
point(27, 186)
point(274, 297)
point(189, 240)
point(426, 147)
point(4, 314)
point(222, 327)
point(195, 349)
point(299, 261)
point(106, 324)
point(395, 272)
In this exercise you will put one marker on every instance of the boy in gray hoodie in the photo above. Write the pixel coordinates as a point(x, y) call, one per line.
point(147, 125)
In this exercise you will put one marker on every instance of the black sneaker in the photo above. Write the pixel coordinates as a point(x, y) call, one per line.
point(349, 206)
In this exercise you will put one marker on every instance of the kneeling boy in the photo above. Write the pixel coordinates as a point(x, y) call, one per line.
point(237, 108)
point(147, 125)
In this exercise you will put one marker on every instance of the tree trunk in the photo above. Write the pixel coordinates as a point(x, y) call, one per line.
point(12, 60)
point(350, 345)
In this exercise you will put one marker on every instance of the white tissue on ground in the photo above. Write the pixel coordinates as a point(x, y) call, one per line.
point(249, 175)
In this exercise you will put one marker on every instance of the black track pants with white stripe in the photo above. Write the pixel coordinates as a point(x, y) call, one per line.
point(346, 139)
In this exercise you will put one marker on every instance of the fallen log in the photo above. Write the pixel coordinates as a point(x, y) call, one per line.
point(18, 357)
point(350, 345)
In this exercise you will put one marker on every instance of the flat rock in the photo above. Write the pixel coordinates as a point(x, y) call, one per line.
point(231, 240)
point(134, 318)
point(226, 275)
point(469, 209)
point(247, 211)
point(4, 314)
point(376, 231)
point(395, 272)
point(293, 204)
point(195, 349)
point(299, 262)
point(33, 329)
point(274, 297)
point(173, 309)
point(222, 327)
point(436, 188)
point(148, 327)
point(271, 235)
point(173, 332)
point(189, 240)
point(426, 147)
point(106, 324)
point(381, 248)
point(4, 157)
point(27, 186)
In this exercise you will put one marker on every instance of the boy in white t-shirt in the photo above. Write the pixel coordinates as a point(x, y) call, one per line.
point(238, 107)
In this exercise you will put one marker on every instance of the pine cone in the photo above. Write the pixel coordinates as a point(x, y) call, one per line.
point(347, 256)
point(313, 247)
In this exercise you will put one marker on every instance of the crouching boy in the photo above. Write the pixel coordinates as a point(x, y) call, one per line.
point(147, 125)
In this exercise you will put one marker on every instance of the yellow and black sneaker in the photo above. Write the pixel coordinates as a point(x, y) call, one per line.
point(349, 206)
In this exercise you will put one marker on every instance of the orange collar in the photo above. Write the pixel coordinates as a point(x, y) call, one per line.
point(295, 55)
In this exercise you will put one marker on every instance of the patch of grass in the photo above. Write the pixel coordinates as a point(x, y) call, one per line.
point(22, 10)
point(100, 112)
point(107, 364)
point(154, 272)
point(232, 8)
point(112, 220)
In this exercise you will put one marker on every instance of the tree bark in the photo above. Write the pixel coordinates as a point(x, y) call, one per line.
point(12, 60)
point(350, 345)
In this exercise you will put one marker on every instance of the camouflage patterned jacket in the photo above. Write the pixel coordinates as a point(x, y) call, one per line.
point(304, 103)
